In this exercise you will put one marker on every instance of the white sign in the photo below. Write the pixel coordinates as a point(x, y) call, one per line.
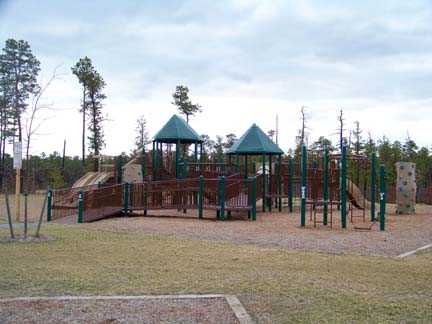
point(17, 155)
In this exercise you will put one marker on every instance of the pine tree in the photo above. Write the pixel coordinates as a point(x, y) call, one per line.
point(91, 106)
point(183, 103)
point(143, 137)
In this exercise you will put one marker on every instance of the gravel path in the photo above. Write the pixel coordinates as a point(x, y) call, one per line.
point(402, 234)
point(145, 310)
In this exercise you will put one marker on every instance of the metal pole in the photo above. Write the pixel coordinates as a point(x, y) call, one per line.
point(373, 186)
point(270, 200)
point(17, 194)
point(80, 206)
point(126, 198)
point(326, 184)
point(382, 196)
point(9, 214)
point(303, 186)
point(49, 204)
point(290, 179)
point(143, 162)
point(264, 200)
point(343, 187)
point(177, 161)
point(201, 197)
point(120, 169)
point(222, 200)
point(280, 182)
point(237, 164)
point(254, 198)
point(25, 214)
point(41, 216)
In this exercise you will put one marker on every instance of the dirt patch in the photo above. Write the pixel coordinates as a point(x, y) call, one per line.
point(121, 310)
point(28, 239)
point(402, 234)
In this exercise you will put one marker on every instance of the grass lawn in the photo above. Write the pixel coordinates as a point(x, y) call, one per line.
point(275, 285)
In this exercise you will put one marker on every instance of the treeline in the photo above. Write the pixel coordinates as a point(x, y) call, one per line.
point(45, 171)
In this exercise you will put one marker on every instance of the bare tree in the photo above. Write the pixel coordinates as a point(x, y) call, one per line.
point(341, 129)
point(302, 133)
point(32, 122)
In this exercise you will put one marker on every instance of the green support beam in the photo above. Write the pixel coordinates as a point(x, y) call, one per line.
point(326, 186)
point(344, 188)
point(373, 187)
point(143, 167)
point(303, 186)
point(254, 198)
point(80, 206)
point(382, 196)
point(201, 197)
point(222, 198)
point(279, 202)
point(264, 200)
point(126, 199)
point(119, 169)
point(49, 205)
point(270, 200)
point(290, 179)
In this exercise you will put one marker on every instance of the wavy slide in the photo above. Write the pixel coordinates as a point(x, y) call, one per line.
point(356, 197)
point(93, 178)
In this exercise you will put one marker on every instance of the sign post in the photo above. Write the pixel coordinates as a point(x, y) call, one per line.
point(17, 164)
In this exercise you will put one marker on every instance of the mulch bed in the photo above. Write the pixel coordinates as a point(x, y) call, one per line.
point(402, 234)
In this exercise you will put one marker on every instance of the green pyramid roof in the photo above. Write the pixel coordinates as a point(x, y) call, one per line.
point(254, 142)
point(177, 129)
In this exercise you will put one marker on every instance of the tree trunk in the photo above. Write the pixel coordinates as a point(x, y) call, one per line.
point(83, 127)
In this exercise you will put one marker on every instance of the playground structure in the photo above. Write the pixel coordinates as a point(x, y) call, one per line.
point(164, 179)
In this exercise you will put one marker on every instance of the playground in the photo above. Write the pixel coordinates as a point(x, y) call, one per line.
point(293, 240)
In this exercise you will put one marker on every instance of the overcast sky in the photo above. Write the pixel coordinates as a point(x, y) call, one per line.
point(244, 61)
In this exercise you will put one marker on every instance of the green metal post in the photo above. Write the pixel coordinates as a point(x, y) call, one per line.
point(326, 186)
point(280, 183)
point(290, 179)
point(49, 205)
point(201, 155)
point(270, 200)
point(131, 194)
point(373, 186)
point(126, 199)
point(222, 199)
point(229, 164)
point(185, 166)
point(264, 200)
point(153, 162)
point(196, 152)
point(237, 163)
point(201, 197)
point(254, 198)
point(343, 187)
point(143, 162)
point(382, 196)
point(177, 160)
point(254, 168)
point(303, 186)
point(80, 206)
point(120, 169)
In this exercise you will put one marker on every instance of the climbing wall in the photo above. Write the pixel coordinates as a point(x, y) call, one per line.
point(406, 188)
point(132, 173)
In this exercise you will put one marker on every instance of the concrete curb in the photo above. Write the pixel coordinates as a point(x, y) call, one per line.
point(407, 254)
